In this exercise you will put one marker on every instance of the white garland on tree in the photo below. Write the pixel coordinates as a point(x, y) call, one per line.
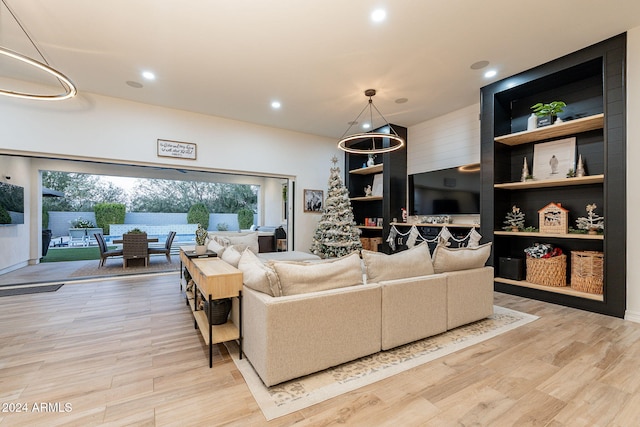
point(336, 233)
point(593, 221)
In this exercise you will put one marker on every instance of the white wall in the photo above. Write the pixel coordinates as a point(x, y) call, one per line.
point(14, 239)
point(633, 174)
point(445, 142)
point(108, 129)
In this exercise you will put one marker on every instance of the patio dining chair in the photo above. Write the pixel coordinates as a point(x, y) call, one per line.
point(135, 246)
point(104, 249)
point(167, 247)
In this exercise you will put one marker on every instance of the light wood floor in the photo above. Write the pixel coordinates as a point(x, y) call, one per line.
point(124, 352)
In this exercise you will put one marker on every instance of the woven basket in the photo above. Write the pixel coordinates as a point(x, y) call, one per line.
point(587, 271)
point(547, 271)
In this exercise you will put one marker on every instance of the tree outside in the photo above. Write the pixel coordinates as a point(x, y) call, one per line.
point(82, 192)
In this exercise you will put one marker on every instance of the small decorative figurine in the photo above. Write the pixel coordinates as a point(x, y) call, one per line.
point(367, 190)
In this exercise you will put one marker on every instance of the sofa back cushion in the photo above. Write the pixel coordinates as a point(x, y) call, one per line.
point(304, 277)
point(413, 262)
point(455, 259)
point(257, 275)
point(239, 240)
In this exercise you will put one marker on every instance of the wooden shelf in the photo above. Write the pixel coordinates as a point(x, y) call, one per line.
point(547, 183)
point(366, 199)
point(368, 227)
point(549, 235)
point(368, 170)
point(221, 333)
point(552, 131)
point(427, 224)
point(566, 290)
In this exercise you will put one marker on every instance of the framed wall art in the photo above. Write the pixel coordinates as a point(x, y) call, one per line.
point(313, 200)
point(554, 159)
point(176, 149)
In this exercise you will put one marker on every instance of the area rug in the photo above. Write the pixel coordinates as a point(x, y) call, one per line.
point(113, 267)
point(29, 290)
point(303, 392)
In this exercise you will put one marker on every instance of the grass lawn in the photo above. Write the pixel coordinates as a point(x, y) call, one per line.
point(72, 254)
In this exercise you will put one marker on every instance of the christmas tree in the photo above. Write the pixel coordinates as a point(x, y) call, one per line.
point(336, 234)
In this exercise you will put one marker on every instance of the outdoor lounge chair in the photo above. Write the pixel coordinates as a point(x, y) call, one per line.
point(104, 250)
point(77, 236)
point(135, 246)
point(167, 247)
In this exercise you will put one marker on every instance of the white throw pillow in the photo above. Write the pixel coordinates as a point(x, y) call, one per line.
point(454, 259)
point(301, 277)
point(216, 247)
point(231, 255)
point(413, 262)
point(256, 275)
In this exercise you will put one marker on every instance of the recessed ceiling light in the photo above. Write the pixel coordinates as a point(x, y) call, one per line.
point(490, 73)
point(479, 65)
point(148, 75)
point(276, 104)
point(378, 15)
point(366, 126)
point(401, 100)
point(136, 85)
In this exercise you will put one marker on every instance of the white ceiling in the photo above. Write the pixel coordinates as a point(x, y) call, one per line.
point(232, 58)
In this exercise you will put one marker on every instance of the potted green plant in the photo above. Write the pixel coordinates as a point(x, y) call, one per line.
point(201, 240)
point(547, 113)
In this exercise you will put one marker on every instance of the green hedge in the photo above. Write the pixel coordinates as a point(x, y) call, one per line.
point(198, 214)
point(109, 213)
point(245, 218)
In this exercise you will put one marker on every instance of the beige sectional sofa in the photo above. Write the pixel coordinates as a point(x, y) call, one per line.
point(303, 317)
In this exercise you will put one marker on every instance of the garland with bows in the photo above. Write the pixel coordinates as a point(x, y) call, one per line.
point(443, 237)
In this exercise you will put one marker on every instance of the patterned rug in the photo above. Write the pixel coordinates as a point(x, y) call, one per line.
point(113, 267)
point(303, 392)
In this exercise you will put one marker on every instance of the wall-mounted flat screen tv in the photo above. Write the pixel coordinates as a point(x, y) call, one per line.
point(445, 192)
point(11, 204)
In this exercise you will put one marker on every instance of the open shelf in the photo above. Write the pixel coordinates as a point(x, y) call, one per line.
point(368, 227)
point(549, 235)
point(565, 290)
point(553, 131)
point(548, 183)
point(427, 224)
point(365, 198)
point(368, 170)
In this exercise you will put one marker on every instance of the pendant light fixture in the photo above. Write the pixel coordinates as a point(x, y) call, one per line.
point(68, 86)
point(371, 142)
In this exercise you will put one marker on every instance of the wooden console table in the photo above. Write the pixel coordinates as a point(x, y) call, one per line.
point(214, 279)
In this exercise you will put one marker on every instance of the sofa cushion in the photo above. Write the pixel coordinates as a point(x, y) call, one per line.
point(455, 259)
point(256, 275)
point(413, 262)
point(302, 277)
point(231, 255)
point(248, 240)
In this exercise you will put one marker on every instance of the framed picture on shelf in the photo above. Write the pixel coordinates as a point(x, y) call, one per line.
point(313, 200)
point(554, 159)
point(377, 185)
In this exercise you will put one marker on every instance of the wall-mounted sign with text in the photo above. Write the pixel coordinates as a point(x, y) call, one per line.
point(180, 150)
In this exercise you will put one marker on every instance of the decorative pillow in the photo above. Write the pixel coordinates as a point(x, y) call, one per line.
point(256, 275)
point(301, 277)
point(454, 259)
point(231, 255)
point(413, 262)
point(216, 247)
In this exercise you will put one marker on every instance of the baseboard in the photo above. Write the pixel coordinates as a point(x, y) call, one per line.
point(633, 316)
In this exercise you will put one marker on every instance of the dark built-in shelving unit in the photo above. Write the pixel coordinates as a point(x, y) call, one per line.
point(592, 83)
point(393, 167)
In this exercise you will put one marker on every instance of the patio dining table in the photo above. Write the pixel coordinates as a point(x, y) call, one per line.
point(149, 240)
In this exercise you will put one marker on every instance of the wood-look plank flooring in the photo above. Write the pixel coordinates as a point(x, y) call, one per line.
point(125, 352)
